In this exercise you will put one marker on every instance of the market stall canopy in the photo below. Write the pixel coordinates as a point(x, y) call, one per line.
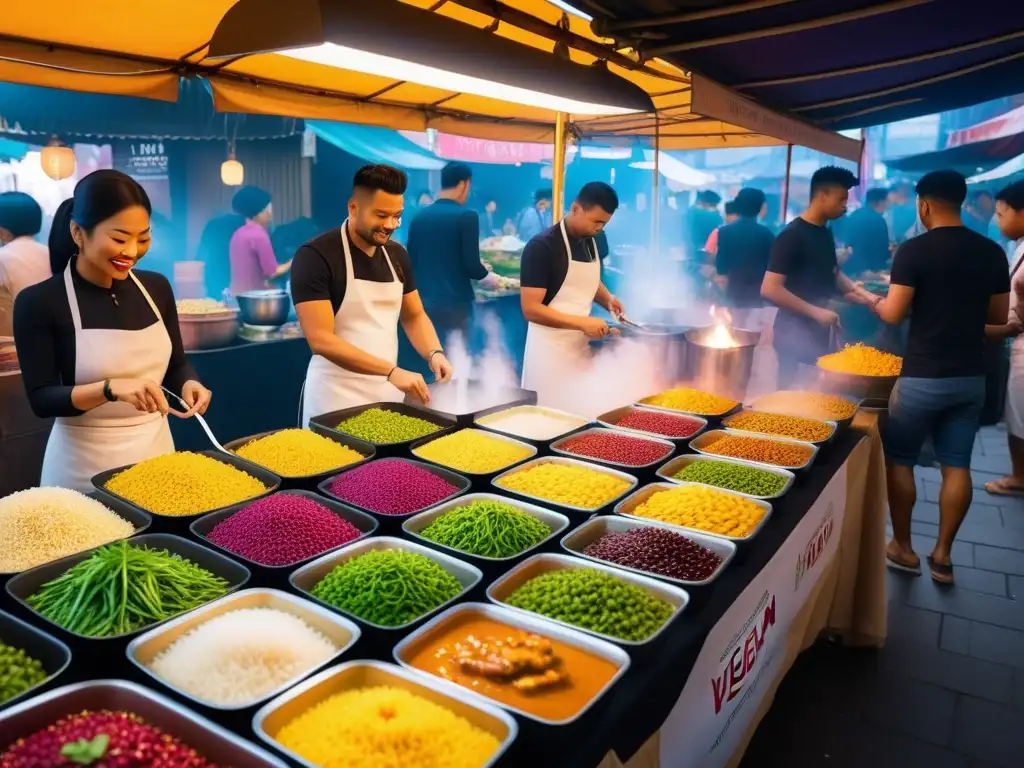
point(376, 145)
point(26, 110)
point(840, 63)
point(1005, 171)
point(99, 48)
point(675, 170)
point(980, 146)
point(12, 150)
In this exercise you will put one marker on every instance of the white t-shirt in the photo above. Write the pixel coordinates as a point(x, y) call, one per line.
point(23, 262)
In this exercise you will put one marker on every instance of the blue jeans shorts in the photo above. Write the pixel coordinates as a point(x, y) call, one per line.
point(947, 410)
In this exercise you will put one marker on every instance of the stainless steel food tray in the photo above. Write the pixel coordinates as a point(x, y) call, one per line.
point(672, 466)
point(631, 502)
point(556, 521)
point(758, 405)
point(698, 444)
point(365, 522)
point(339, 630)
point(531, 451)
point(611, 418)
point(273, 716)
point(364, 449)
point(496, 482)
point(328, 422)
point(528, 623)
point(307, 577)
point(483, 422)
point(460, 483)
point(54, 655)
point(596, 527)
point(499, 591)
point(709, 417)
point(832, 433)
point(216, 744)
point(670, 448)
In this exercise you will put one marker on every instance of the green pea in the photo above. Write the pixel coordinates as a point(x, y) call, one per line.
point(18, 672)
point(381, 426)
point(733, 477)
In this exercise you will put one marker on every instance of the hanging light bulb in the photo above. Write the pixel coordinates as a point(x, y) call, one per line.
point(58, 160)
point(232, 172)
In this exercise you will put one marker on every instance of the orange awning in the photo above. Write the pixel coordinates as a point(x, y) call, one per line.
point(141, 49)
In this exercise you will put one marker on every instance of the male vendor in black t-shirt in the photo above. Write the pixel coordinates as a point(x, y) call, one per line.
point(803, 274)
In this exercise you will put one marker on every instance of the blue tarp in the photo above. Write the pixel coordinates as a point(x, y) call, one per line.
point(376, 145)
point(12, 150)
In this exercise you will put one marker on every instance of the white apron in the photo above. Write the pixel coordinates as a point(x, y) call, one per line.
point(113, 434)
point(553, 354)
point(367, 318)
point(1014, 408)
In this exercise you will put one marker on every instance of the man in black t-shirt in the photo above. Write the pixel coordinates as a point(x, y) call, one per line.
point(744, 248)
point(952, 281)
point(803, 274)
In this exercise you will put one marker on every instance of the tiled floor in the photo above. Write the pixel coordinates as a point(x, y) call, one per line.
point(947, 691)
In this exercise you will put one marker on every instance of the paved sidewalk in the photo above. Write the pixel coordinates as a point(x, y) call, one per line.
point(947, 691)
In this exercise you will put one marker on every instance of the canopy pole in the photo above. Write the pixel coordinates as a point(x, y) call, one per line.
point(785, 183)
point(656, 192)
point(558, 169)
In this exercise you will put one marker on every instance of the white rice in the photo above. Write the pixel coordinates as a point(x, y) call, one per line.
point(239, 657)
point(532, 422)
point(40, 525)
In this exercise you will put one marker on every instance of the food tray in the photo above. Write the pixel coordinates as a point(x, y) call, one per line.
point(307, 577)
point(327, 423)
point(565, 460)
point(366, 523)
point(840, 423)
point(575, 542)
point(480, 401)
point(834, 427)
point(215, 743)
point(499, 591)
point(453, 478)
point(268, 478)
point(627, 505)
point(711, 418)
point(667, 470)
point(698, 444)
point(337, 629)
point(140, 520)
point(610, 419)
point(48, 651)
point(366, 450)
point(273, 716)
point(476, 475)
point(25, 584)
point(556, 447)
point(481, 422)
point(528, 623)
point(555, 521)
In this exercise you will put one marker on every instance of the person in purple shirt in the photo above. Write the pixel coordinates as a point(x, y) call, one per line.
point(250, 251)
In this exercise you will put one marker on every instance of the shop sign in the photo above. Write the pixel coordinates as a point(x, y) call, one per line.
point(143, 160)
point(744, 651)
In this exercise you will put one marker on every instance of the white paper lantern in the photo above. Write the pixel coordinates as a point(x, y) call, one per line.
point(58, 160)
point(232, 172)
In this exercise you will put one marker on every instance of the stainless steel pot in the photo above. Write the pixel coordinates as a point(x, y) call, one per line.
point(208, 331)
point(724, 371)
point(264, 308)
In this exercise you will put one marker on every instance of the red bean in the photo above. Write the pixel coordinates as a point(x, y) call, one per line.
point(282, 529)
point(658, 551)
point(391, 487)
point(660, 423)
point(618, 448)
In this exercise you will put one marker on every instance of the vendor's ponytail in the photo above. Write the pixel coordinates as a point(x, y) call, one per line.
point(98, 196)
point(62, 244)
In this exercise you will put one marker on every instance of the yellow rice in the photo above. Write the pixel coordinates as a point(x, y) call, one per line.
point(40, 525)
point(297, 452)
point(183, 483)
point(384, 727)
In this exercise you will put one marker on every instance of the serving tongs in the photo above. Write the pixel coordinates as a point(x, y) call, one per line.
point(626, 321)
point(201, 420)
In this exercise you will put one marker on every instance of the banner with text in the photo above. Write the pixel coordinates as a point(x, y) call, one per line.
point(744, 649)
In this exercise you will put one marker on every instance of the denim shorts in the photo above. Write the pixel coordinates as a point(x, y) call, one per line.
point(947, 410)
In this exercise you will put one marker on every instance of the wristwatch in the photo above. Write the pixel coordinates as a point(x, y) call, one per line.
point(108, 392)
point(432, 353)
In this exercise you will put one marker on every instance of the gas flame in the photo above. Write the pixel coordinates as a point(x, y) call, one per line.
point(721, 337)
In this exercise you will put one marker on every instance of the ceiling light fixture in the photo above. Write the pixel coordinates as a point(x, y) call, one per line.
point(398, 41)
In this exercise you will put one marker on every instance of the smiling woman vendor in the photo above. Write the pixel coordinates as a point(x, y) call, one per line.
point(98, 339)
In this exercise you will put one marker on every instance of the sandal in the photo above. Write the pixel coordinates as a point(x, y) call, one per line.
point(1004, 487)
point(942, 573)
point(901, 562)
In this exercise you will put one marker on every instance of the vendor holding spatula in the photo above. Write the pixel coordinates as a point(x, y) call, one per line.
point(561, 280)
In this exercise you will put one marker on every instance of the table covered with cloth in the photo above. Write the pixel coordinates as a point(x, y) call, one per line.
point(847, 601)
